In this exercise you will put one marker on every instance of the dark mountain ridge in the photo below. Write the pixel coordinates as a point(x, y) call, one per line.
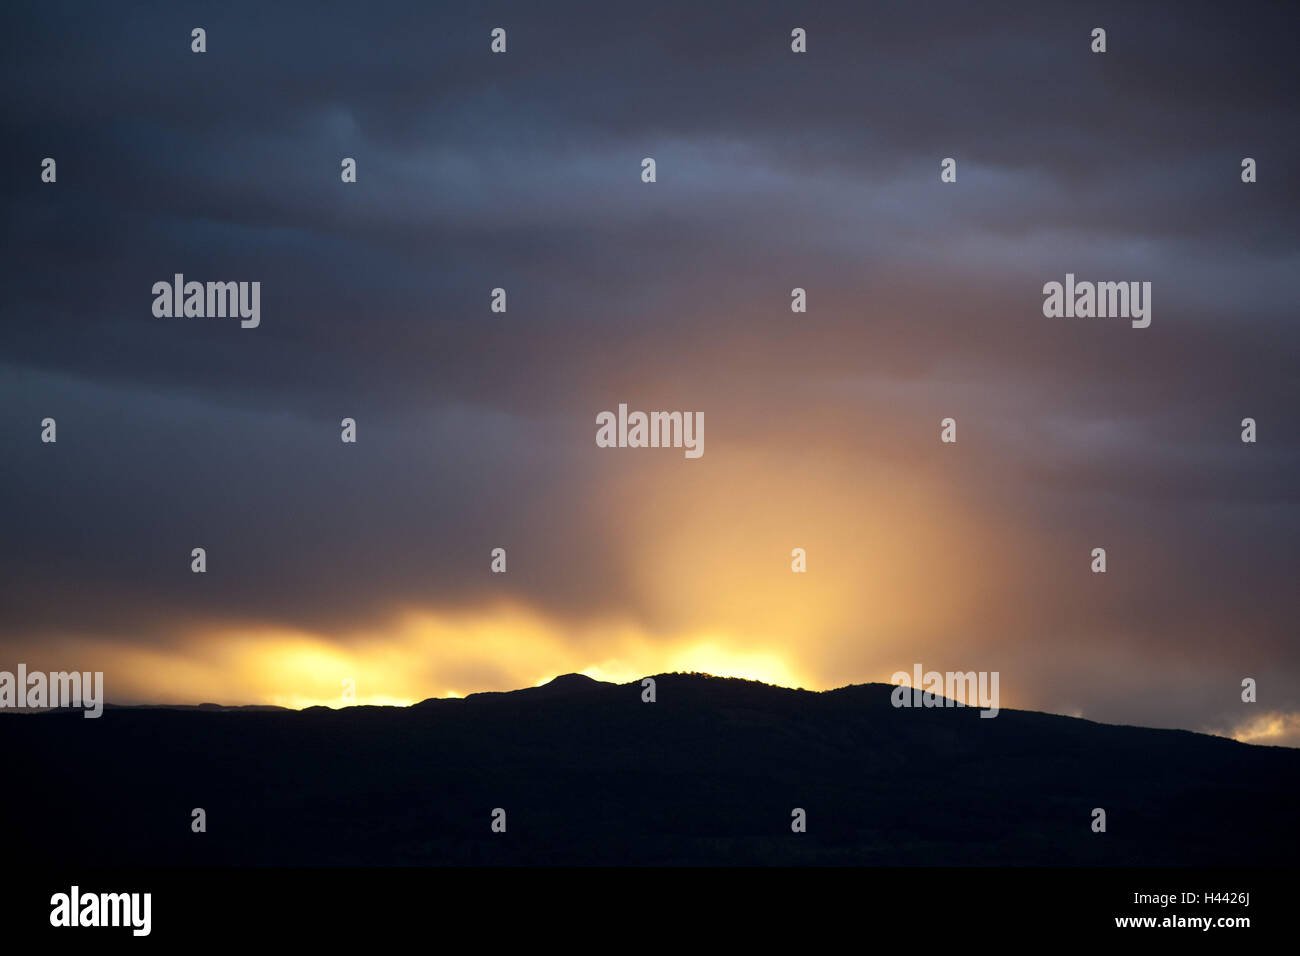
point(590, 774)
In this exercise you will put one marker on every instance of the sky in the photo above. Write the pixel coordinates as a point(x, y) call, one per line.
point(370, 562)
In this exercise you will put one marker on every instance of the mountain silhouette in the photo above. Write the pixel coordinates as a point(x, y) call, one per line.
point(588, 773)
point(563, 685)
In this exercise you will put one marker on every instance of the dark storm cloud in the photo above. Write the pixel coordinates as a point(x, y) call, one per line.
point(523, 171)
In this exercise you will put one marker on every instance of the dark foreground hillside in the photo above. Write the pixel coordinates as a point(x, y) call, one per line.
point(587, 773)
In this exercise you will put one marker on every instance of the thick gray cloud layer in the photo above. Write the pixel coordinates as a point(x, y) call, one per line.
point(775, 171)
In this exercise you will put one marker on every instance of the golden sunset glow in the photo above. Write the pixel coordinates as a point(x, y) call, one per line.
point(710, 590)
point(1275, 728)
point(421, 655)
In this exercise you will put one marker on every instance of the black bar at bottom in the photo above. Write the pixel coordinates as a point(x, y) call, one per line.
point(328, 905)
